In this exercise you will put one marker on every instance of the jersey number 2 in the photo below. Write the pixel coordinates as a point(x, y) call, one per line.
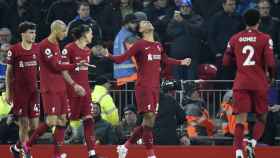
point(248, 49)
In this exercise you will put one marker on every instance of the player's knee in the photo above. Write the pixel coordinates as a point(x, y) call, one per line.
point(23, 123)
point(34, 124)
point(62, 121)
point(149, 119)
point(51, 121)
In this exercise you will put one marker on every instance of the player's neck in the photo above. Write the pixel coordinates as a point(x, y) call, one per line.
point(26, 45)
point(149, 36)
point(81, 44)
point(52, 38)
point(252, 27)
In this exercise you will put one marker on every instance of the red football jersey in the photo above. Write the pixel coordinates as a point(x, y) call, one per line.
point(252, 52)
point(148, 56)
point(75, 55)
point(24, 64)
point(50, 67)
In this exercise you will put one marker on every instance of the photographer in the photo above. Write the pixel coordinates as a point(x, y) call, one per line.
point(170, 116)
point(185, 34)
point(197, 116)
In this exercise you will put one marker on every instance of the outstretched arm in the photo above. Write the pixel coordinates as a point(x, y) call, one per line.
point(167, 60)
point(120, 58)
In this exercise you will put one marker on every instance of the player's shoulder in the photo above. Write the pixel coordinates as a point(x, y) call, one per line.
point(36, 46)
point(264, 36)
point(15, 47)
point(70, 45)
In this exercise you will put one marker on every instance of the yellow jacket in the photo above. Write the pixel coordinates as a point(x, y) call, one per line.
point(109, 112)
point(5, 108)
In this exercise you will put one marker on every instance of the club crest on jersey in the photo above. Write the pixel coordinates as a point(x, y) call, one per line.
point(48, 52)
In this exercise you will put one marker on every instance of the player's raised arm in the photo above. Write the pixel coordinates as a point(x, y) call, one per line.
point(229, 54)
point(54, 61)
point(167, 60)
point(269, 59)
point(121, 58)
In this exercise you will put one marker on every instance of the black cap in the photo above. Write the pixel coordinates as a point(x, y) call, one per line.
point(130, 108)
point(130, 18)
point(140, 16)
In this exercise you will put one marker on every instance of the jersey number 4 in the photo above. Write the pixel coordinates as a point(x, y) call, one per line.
point(249, 51)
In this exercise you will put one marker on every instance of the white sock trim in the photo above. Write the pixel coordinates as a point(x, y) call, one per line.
point(254, 142)
point(91, 153)
point(239, 152)
point(16, 148)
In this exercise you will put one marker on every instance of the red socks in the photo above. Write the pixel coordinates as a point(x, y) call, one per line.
point(58, 139)
point(147, 135)
point(42, 128)
point(136, 135)
point(258, 130)
point(238, 136)
point(88, 132)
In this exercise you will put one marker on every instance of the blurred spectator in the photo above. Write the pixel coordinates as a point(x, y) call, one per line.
point(128, 123)
point(64, 10)
point(5, 36)
point(104, 132)
point(8, 131)
point(272, 128)
point(5, 40)
point(159, 12)
point(221, 27)
point(146, 3)
point(207, 8)
point(185, 34)
point(170, 116)
point(199, 122)
point(100, 11)
point(22, 10)
point(4, 9)
point(275, 8)
point(126, 68)
point(116, 14)
point(270, 25)
point(243, 5)
point(127, 79)
point(83, 17)
point(100, 95)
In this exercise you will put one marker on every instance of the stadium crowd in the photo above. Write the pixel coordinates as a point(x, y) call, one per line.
point(196, 29)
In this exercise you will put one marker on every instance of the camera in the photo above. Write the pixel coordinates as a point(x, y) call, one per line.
point(186, 86)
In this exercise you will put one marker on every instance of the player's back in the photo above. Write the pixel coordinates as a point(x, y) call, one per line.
point(50, 79)
point(249, 48)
